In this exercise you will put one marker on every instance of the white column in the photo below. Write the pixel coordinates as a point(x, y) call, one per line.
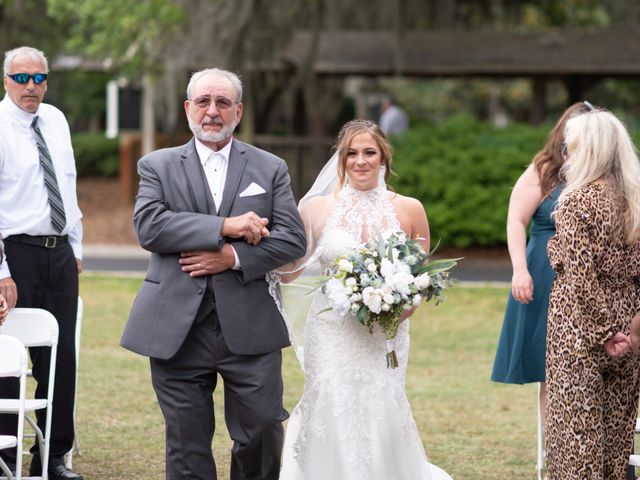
point(112, 109)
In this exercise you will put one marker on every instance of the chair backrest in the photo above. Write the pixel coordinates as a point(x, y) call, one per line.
point(34, 327)
point(13, 357)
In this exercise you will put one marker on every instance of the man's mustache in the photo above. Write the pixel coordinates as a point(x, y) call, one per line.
point(214, 121)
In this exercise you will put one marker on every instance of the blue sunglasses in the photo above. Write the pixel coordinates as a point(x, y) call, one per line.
point(23, 78)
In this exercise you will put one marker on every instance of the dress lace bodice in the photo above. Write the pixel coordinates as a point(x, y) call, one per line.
point(356, 217)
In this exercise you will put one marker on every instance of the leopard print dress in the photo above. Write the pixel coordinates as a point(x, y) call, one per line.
point(592, 398)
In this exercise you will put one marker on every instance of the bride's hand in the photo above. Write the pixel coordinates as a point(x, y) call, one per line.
point(406, 314)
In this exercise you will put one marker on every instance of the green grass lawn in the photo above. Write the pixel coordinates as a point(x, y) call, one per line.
point(471, 427)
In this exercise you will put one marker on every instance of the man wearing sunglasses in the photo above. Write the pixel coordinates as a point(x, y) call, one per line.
point(40, 223)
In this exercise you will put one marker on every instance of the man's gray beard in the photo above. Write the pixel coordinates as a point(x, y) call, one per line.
point(212, 137)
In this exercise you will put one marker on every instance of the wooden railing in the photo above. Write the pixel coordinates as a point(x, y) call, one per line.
point(305, 156)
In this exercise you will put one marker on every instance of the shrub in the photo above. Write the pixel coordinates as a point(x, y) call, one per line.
point(96, 155)
point(463, 172)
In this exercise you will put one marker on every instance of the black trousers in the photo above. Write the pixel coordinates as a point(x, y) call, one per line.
point(47, 278)
point(253, 406)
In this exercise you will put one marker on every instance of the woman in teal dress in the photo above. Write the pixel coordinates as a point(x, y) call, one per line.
point(520, 357)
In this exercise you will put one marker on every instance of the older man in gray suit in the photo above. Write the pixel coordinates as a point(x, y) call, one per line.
point(217, 215)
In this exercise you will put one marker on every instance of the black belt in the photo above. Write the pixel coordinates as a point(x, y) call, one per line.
point(46, 241)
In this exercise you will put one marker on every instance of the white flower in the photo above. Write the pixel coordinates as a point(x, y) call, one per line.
point(387, 268)
point(372, 299)
point(386, 307)
point(338, 295)
point(372, 267)
point(354, 308)
point(422, 281)
point(356, 297)
point(365, 279)
point(388, 298)
point(411, 260)
point(350, 282)
point(417, 299)
point(401, 282)
point(345, 265)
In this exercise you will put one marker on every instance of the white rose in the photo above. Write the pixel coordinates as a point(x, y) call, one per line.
point(388, 298)
point(338, 296)
point(356, 297)
point(401, 282)
point(372, 299)
point(387, 268)
point(422, 281)
point(345, 265)
point(386, 307)
point(350, 282)
point(365, 279)
point(354, 308)
point(417, 299)
point(372, 267)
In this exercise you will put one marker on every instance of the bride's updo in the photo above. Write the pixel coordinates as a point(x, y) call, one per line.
point(356, 127)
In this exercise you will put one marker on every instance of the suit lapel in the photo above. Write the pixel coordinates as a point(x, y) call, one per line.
point(237, 162)
point(193, 171)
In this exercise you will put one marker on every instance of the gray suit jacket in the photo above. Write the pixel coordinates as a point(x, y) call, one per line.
point(171, 216)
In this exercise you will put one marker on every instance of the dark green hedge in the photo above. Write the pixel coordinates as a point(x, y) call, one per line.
point(463, 172)
point(96, 155)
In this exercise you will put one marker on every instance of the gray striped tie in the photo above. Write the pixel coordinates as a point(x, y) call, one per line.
point(58, 219)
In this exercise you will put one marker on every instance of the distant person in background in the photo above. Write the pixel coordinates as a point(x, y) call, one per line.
point(40, 223)
point(593, 396)
point(393, 120)
point(520, 357)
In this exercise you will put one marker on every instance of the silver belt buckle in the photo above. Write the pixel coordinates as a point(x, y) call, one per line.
point(50, 242)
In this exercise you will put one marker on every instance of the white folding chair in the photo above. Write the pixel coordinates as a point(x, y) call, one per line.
point(76, 442)
point(35, 327)
point(14, 363)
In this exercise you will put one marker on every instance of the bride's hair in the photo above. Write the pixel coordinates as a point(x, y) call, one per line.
point(355, 127)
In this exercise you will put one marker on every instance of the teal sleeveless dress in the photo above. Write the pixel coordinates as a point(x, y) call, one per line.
point(520, 357)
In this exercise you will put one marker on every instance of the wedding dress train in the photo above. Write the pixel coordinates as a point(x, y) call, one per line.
point(354, 421)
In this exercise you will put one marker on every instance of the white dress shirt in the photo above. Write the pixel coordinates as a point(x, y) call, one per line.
point(215, 166)
point(24, 204)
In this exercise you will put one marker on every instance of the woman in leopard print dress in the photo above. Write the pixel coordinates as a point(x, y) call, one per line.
point(593, 396)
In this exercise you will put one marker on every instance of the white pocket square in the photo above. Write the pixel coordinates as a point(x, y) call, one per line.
point(253, 189)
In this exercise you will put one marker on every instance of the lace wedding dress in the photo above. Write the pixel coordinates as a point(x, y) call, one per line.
point(354, 421)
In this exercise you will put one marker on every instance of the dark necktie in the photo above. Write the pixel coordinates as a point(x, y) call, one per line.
point(58, 219)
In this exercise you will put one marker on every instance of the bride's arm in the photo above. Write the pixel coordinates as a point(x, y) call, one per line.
point(416, 225)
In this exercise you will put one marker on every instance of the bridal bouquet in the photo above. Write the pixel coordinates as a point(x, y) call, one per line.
point(379, 281)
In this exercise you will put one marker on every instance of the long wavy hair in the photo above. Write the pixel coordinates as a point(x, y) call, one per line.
point(548, 161)
point(599, 147)
point(355, 127)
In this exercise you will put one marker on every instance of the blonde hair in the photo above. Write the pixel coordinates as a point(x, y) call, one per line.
point(599, 146)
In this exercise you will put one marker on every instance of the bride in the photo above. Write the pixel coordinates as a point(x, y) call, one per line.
point(354, 421)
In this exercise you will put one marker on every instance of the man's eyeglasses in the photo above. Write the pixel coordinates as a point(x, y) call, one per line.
point(222, 103)
point(23, 78)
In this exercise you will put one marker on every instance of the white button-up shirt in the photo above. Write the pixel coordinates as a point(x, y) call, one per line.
point(215, 166)
point(24, 204)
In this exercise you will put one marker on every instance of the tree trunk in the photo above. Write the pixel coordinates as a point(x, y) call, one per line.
point(148, 115)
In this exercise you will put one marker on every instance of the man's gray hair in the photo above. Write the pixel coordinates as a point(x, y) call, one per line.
point(24, 52)
point(232, 77)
